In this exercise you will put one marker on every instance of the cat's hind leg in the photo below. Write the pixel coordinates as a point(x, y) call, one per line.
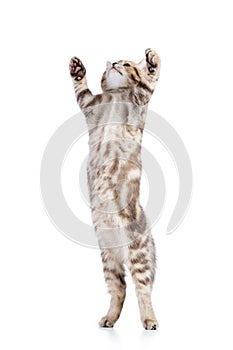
point(141, 263)
point(114, 274)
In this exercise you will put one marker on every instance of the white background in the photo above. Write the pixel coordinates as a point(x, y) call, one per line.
point(52, 290)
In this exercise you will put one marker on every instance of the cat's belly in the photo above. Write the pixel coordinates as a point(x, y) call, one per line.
point(114, 171)
point(114, 189)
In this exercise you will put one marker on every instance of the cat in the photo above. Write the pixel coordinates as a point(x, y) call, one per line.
point(115, 121)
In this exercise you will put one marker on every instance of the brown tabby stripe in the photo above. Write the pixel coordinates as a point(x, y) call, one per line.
point(97, 99)
point(117, 275)
point(107, 150)
point(145, 87)
point(140, 270)
point(132, 76)
point(135, 244)
point(136, 71)
point(114, 167)
point(120, 278)
point(139, 259)
point(82, 94)
point(145, 243)
point(145, 281)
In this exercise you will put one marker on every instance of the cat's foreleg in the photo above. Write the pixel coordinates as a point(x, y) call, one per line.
point(150, 67)
point(78, 75)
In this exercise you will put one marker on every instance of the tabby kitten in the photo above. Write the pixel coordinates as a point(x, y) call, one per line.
point(115, 121)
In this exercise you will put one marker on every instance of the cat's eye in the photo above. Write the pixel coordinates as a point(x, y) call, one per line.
point(126, 64)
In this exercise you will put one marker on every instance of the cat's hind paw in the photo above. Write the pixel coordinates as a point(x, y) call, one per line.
point(106, 322)
point(151, 324)
point(77, 69)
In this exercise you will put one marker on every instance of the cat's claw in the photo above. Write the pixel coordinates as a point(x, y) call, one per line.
point(77, 69)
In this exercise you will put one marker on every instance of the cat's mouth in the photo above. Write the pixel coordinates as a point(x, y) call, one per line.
point(115, 68)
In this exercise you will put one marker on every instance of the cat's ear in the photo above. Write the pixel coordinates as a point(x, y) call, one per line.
point(108, 65)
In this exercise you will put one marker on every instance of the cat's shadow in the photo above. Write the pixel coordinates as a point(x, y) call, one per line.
point(145, 334)
point(112, 333)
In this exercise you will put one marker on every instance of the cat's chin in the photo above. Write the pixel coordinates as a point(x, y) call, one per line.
point(115, 81)
point(115, 78)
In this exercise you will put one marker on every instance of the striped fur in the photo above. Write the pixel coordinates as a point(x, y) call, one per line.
point(115, 121)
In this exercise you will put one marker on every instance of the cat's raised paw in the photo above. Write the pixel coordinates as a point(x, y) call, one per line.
point(77, 69)
point(106, 322)
point(152, 60)
point(151, 324)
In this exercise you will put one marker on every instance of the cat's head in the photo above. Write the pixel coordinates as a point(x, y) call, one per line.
point(121, 74)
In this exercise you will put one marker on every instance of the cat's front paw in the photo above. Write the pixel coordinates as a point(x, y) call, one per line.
point(77, 69)
point(152, 59)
